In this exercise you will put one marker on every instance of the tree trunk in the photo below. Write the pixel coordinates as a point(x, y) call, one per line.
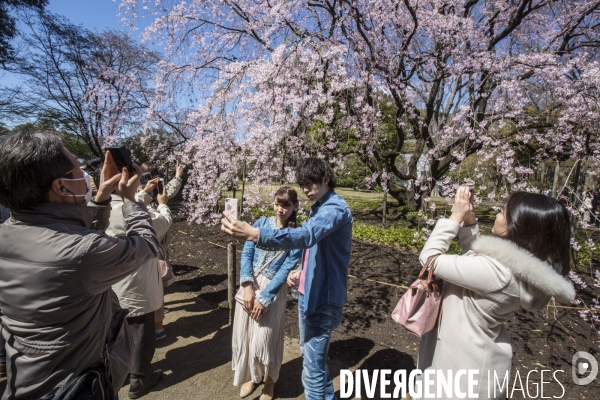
point(404, 196)
point(576, 182)
point(384, 220)
point(555, 183)
point(543, 175)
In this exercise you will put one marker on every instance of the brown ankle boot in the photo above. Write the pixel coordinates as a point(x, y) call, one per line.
point(247, 389)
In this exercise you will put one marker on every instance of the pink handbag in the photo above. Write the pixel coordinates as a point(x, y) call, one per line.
point(419, 307)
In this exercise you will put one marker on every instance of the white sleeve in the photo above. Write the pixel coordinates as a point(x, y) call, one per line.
point(161, 220)
point(473, 272)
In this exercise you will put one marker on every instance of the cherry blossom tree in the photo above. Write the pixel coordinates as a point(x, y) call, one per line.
point(413, 88)
point(97, 86)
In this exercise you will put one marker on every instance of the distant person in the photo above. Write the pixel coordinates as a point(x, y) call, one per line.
point(95, 165)
point(323, 279)
point(522, 266)
point(259, 325)
point(563, 197)
point(152, 176)
point(587, 207)
point(149, 196)
point(60, 315)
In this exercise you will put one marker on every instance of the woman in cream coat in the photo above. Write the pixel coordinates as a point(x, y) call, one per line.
point(523, 265)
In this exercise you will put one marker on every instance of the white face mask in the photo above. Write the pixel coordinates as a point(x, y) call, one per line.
point(88, 195)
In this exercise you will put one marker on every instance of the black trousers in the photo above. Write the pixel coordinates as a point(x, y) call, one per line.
point(2, 349)
point(142, 328)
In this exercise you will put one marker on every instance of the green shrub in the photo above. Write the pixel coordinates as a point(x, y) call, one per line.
point(399, 236)
point(586, 255)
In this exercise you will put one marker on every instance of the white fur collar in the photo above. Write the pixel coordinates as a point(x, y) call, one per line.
point(526, 267)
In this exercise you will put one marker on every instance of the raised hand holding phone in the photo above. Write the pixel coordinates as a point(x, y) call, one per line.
point(178, 169)
point(129, 183)
point(462, 210)
point(109, 178)
point(122, 158)
point(151, 185)
point(162, 198)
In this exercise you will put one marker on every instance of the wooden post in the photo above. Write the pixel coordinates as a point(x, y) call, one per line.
point(231, 279)
point(384, 208)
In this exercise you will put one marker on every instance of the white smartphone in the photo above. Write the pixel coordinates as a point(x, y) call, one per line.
point(231, 206)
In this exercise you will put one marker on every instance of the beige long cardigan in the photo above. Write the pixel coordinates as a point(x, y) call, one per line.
point(482, 287)
point(141, 292)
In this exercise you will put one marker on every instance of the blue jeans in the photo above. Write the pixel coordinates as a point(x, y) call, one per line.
point(315, 334)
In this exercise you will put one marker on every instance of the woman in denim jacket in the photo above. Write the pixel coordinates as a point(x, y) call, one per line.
point(258, 329)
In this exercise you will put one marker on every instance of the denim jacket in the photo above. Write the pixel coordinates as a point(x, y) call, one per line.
point(277, 271)
point(328, 234)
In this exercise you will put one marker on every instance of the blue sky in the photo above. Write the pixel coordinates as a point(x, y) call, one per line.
point(92, 14)
point(95, 15)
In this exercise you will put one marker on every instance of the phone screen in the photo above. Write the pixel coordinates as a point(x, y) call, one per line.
point(122, 157)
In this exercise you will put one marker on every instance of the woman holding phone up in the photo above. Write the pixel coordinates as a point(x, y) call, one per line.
point(523, 264)
point(258, 327)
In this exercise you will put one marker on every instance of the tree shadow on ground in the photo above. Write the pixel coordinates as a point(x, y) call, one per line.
point(385, 359)
point(341, 352)
point(289, 384)
point(197, 357)
point(349, 352)
point(182, 269)
point(196, 283)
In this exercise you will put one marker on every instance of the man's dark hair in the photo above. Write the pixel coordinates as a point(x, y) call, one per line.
point(313, 170)
point(95, 162)
point(29, 163)
point(151, 169)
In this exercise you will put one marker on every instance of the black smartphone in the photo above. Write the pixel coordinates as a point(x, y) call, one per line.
point(122, 157)
point(161, 186)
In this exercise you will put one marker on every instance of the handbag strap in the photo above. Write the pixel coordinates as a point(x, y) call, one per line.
point(266, 264)
point(431, 265)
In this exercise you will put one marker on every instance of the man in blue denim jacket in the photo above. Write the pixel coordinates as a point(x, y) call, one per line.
point(323, 279)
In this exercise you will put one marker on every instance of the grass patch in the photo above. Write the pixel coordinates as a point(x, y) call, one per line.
point(397, 236)
point(586, 255)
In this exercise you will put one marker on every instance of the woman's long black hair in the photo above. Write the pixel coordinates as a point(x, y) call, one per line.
point(541, 225)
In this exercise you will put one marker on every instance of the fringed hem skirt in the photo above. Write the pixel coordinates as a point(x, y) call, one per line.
point(258, 345)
